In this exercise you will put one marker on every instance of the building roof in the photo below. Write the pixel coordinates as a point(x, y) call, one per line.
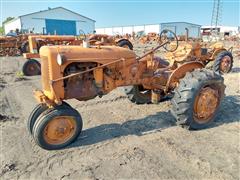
point(49, 10)
point(182, 22)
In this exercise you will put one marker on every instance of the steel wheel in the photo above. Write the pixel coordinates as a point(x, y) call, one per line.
point(59, 130)
point(206, 104)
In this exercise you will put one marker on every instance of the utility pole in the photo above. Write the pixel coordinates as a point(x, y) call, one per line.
point(216, 16)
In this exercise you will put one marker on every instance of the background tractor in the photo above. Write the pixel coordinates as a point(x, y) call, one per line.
point(31, 47)
point(12, 45)
point(214, 57)
point(77, 72)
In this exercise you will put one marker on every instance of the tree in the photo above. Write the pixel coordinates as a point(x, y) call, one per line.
point(7, 19)
point(1, 30)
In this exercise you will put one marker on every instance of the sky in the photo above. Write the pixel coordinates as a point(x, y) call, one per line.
point(108, 13)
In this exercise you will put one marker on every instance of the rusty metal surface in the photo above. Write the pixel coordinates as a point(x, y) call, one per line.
point(10, 46)
point(59, 130)
point(95, 71)
point(206, 104)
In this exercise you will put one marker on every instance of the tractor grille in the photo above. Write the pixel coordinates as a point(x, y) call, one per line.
point(45, 73)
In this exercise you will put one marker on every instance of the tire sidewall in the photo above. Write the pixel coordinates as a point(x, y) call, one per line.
point(37, 111)
point(42, 121)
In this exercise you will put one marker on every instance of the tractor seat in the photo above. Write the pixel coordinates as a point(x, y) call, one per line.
point(162, 63)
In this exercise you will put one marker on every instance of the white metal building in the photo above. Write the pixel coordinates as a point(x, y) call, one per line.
point(177, 27)
point(57, 20)
point(225, 30)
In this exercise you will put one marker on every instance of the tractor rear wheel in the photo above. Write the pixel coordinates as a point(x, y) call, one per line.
point(197, 98)
point(39, 110)
point(31, 68)
point(125, 44)
point(137, 94)
point(223, 62)
point(57, 128)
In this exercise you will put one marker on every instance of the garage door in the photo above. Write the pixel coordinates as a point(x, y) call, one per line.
point(61, 27)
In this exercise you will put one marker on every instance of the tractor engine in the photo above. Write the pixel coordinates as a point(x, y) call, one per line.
point(81, 87)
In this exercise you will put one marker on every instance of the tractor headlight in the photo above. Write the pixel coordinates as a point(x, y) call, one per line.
point(60, 59)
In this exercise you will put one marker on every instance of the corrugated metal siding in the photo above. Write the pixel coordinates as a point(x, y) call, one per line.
point(177, 27)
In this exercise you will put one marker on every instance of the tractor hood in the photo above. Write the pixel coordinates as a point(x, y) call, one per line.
point(51, 69)
point(102, 55)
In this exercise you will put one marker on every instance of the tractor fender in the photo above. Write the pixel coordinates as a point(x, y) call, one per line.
point(180, 72)
point(121, 39)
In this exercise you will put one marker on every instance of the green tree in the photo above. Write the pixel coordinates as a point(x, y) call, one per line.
point(7, 19)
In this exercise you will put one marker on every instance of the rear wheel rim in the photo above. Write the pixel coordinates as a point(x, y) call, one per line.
point(60, 130)
point(206, 104)
point(225, 64)
point(33, 69)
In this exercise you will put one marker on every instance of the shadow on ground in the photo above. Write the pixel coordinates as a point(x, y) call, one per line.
point(229, 112)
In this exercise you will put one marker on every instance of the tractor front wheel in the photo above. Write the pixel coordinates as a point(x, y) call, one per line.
point(57, 128)
point(31, 68)
point(197, 99)
point(39, 110)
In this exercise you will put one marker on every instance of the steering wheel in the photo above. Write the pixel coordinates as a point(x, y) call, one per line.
point(82, 35)
point(169, 36)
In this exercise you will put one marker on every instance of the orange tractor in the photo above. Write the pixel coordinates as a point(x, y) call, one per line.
point(82, 73)
point(32, 67)
point(215, 56)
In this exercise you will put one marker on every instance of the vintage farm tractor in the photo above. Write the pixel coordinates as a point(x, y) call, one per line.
point(35, 42)
point(12, 45)
point(32, 67)
point(83, 73)
point(214, 57)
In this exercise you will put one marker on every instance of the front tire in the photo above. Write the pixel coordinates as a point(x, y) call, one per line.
point(197, 99)
point(39, 110)
point(57, 128)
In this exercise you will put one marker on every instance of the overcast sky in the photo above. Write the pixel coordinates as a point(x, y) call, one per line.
point(132, 12)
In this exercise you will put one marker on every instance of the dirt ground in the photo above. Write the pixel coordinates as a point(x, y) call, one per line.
point(120, 140)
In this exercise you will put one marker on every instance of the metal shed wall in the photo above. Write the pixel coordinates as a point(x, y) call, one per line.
point(180, 28)
point(36, 21)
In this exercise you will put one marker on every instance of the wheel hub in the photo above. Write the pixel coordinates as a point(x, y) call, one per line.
point(225, 64)
point(59, 130)
point(206, 104)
